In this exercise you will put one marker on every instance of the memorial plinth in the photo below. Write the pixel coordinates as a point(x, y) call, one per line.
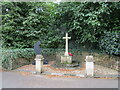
point(66, 58)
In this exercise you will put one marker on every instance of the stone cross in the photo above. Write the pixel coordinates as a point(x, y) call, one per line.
point(66, 47)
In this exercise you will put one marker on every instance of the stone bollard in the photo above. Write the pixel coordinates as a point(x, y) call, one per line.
point(89, 66)
point(39, 63)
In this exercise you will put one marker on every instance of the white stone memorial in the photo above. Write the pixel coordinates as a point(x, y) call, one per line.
point(89, 66)
point(39, 63)
point(66, 58)
point(66, 46)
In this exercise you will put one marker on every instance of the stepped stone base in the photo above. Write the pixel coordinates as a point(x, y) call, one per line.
point(66, 59)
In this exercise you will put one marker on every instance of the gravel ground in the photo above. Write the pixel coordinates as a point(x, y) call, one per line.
point(100, 70)
point(49, 69)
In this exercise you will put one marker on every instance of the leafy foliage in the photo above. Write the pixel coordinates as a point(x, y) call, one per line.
point(25, 23)
point(110, 43)
point(87, 21)
point(10, 56)
point(14, 58)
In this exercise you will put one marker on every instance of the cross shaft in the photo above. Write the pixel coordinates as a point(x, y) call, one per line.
point(66, 47)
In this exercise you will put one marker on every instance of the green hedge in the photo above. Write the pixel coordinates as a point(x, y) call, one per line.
point(10, 56)
point(13, 58)
point(110, 42)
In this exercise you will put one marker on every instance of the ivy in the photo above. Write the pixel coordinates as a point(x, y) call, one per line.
point(110, 42)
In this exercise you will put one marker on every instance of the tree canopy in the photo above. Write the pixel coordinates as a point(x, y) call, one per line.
point(98, 24)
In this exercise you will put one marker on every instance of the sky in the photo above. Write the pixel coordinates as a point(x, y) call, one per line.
point(57, 1)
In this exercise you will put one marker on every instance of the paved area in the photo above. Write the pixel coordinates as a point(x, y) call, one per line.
point(16, 80)
point(99, 71)
point(49, 70)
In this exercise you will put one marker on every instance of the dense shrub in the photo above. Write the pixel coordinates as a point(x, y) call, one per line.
point(10, 57)
point(14, 58)
point(87, 21)
point(110, 42)
point(25, 23)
